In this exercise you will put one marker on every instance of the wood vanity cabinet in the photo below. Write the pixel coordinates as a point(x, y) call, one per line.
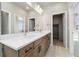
point(41, 46)
point(25, 51)
point(36, 49)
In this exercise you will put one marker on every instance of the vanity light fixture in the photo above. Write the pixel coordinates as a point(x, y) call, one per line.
point(27, 8)
point(29, 3)
point(38, 9)
point(35, 6)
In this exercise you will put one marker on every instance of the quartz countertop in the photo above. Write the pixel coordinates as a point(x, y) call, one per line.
point(19, 41)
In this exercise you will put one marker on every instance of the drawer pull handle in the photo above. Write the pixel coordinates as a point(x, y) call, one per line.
point(27, 50)
point(39, 49)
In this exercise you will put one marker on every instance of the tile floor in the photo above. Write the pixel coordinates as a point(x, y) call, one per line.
point(58, 42)
point(57, 50)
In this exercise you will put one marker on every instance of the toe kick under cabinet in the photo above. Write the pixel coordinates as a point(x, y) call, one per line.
point(37, 48)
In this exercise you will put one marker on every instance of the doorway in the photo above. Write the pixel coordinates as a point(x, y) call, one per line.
point(32, 24)
point(58, 30)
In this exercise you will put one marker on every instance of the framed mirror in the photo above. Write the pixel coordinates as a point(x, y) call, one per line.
point(4, 22)
point(19, 24)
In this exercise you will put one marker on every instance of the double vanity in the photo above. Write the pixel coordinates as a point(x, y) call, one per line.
point(31, 44)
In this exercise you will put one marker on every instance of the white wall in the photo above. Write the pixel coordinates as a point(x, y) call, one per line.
point(75, 31)
point(13, 10)
point(71, 27)
point(49, 11)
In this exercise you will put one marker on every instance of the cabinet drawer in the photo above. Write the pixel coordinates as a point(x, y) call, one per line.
point(26, 50)
point(37, 42)
point(29, 55)
point(45, 37)
point(37, 51)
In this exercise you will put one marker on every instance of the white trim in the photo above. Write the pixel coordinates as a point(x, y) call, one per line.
point(28, 25)
point(65, 29)
point(9, 23)
point(24, 24)
point(61, 12)
point(14, 22)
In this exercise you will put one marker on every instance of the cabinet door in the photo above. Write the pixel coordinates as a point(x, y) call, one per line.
point(40, 50)
point(41, 54)
point(44, 46)
point(27, 50)
point(35, 52)
point(8, 52)
point(37, 42)
point(29, 55)
point(41, 47)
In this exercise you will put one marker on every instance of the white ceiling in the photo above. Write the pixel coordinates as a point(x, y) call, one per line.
point(46, 4)
point(42, 4)
point(22, 5)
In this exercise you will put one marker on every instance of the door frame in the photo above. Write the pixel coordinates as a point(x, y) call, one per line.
point(65, 37)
